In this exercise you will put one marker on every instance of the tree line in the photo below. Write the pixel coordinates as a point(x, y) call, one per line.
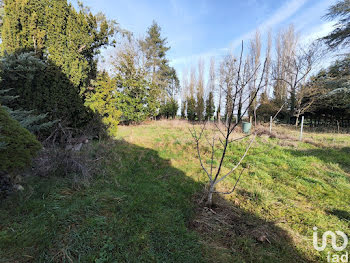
point(296, 82)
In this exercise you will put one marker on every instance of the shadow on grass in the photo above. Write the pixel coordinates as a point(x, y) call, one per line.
point(341, 214)
point(328, 155)
point(137, 209)
point(235, 235)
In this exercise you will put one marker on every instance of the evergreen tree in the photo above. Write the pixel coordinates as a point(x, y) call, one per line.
point(41, 87)
point(163, 78)
point(191, 109)
point(170, 109)
point(67, 42)
point(341, 34)
point(210, 106)
point(27, 119)
point(199, 107)
point(55, 29)
point(103, 101)
point(135, 97)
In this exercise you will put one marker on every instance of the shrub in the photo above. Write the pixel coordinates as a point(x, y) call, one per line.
point(19, 145)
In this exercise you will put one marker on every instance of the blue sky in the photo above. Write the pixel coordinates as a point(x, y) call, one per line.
point(204, 28)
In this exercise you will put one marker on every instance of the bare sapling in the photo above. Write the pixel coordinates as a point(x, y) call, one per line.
point(219, 136)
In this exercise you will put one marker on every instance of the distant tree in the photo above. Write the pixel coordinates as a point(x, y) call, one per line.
point(255, 53)
point(170, 105)
point(173, 84)
point(286, 42)
point(200, 91)
point(340, 36)
point(299, 64)
point(163, 78)
point(191, 101)
point(209, 105)
point(333, 89)
point(183, 109)
point(228, 72)
point(134, 91)
point(284, 69)
point(220, 90)
point(191, 108)
point(170, 108)
point(184, 93)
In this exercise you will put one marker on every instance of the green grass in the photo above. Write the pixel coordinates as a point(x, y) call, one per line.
point(143, 204)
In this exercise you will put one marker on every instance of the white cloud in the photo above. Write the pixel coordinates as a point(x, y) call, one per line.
point(282, 14)
point(317, 32)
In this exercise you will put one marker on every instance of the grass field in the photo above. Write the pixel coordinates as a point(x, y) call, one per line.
point(145, 204)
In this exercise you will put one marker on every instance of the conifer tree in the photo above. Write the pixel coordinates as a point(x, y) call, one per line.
point(67, 42)
point(191, 101)
point(340, 36)
point(103, 101)
point(19, 145)
point(209, 107)
point(42, 88)
point(135, 97)
point(191, 108)
point(162, 77)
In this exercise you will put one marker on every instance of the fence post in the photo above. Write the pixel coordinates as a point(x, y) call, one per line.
point(301, 128)
point(270, 124)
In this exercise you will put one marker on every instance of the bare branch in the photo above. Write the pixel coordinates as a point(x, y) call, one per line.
point(240, 161)
point(234, 187)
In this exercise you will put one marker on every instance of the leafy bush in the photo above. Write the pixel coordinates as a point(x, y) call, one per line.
point(19, 145)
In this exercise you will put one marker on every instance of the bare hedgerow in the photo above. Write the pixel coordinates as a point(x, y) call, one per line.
point(65, 154)
point(57, 161)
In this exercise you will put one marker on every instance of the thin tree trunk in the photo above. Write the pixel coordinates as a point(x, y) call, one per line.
point(210, 196)
point(297, 121)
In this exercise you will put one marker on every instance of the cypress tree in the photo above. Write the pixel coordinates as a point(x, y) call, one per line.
point(191, 109)
point(210, 107)
point(67, 42)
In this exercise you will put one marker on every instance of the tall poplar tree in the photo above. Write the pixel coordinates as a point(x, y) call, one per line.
point(200, 91)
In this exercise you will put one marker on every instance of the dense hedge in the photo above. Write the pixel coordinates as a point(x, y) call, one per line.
point(20, 146)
